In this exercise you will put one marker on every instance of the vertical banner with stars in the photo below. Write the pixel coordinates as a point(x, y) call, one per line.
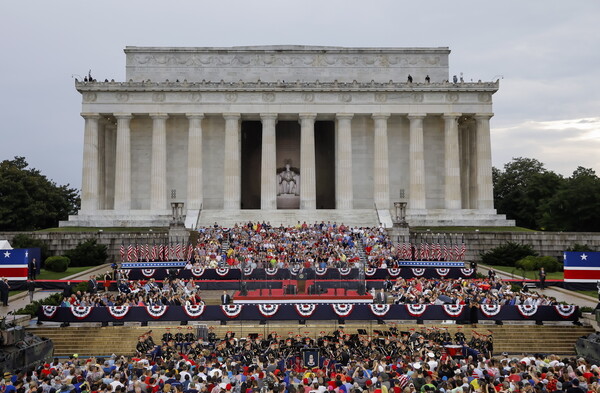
point(14, 263)
point(583, 267)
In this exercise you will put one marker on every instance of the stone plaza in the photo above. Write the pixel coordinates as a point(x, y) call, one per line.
point(287, 134)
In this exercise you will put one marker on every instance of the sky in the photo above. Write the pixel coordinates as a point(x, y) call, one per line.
point(545, 53)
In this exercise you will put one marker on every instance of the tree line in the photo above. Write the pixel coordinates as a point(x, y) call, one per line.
point(540, 199)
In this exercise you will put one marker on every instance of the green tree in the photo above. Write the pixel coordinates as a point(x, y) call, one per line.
point(522, 189)
point(29, 200)
point(88, 253)
point(576, 205)
point(507, 254)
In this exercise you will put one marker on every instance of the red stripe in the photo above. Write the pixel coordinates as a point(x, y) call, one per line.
point(582, 274)
point(13, 271)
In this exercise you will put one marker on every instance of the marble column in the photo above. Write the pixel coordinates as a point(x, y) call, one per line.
point(416, 195)
point(308, 188)
point(452, 187)
point(343, 169)
point(232, 167)
point(90, 178)
point(110, 131)
point(158, 174)
point(381, 175)
point(268, 163)
point(123, 163)
point(194, 170)
point(485, 191)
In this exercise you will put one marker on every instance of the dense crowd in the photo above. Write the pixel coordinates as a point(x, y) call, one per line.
point(407, 362)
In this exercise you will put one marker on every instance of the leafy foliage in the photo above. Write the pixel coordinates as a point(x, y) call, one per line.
point(531, 263)
point(507, 254)
point(88, 253)
point(540, 199)
point(23, 241)
point(57, 264)
point(29, 201)
point(33, 307)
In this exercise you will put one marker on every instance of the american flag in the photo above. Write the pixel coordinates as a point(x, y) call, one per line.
point(178, 251)
point(130, 252)
point(457, 251)
point(161, 252)
point(147, 252)
point(426, 251)
point(445, 252)
point(403, 251)
point(154, 254)
point(122, 252)
point(463, 250)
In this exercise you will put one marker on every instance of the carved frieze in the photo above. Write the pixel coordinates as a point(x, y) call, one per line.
point(484, 97)
point(268, 97)
point(381, 97)
point(89, 97)
point(452, 97)
point(158, 97)
point(345, 97)
point(122, 97)
point(231, 97)
point(195, 97)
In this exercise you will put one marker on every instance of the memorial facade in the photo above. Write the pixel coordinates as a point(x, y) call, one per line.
point(286, 133)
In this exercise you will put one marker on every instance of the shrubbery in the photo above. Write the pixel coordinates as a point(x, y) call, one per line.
point(57, 264)
point(507, 254)
point(88, 253)
point(549, 264)
point(33, 307)
point(580, 248)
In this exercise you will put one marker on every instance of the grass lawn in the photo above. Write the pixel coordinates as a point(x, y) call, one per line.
point(104, 229)
point(48, 275)
point(593, 294)
point(532, 275)
point(472, 229)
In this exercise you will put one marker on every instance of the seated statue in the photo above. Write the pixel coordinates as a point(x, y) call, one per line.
point(288, 182)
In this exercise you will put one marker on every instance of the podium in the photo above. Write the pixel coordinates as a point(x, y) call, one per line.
point(301, 282)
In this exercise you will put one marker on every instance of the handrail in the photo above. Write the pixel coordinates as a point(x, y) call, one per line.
point(198, 217)
point(377, 212)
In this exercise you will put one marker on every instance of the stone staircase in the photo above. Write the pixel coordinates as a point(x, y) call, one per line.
point(104, 341)
point(227, 218)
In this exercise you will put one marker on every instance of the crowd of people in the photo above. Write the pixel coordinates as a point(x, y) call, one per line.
point(406, 362)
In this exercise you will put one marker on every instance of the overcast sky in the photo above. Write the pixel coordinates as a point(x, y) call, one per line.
point(548, 52)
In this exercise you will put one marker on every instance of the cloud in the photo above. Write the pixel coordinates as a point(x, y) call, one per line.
point(562, 145)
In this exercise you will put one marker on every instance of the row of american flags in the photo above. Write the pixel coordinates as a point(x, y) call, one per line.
point(156, 252)
point(431, 251)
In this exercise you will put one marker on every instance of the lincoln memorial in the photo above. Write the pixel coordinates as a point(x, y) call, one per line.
point(286, 134)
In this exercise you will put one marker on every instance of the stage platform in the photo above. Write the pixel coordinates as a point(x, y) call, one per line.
point(278, 296)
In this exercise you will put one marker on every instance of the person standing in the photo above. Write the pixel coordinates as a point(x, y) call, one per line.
point(4, 289)
point(31, 289)
point(93, 284)
point(542, 278)
point(381, 297)
point(32, 268)
point(225, 298)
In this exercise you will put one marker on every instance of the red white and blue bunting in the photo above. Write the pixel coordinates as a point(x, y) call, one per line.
point(156, 311)
point(271, 271)
point(49, 311)
point(442, 272)
point(370, 271)
point(342, 310)
point(416, 310)
point(344, 271)
point(418, 272)
point(489, 310)
point(222, 271)
point(379, 310)
point(118, 311)
point(454, 310)
point(527, 310)
point(305, 310)
point(467, 272)
point(193, 310)
point(248, 270)
point(148, 272)
point(565, 310)
point(268, 310)
point(81, 312)
point(321, 271)
point(197, 271)
point(294, 270)
point(232, 310)
point(394, 271)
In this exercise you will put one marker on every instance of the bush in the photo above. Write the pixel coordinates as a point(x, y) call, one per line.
point(33, 308)
point(23, 241)
point(57, 264)
point(580, 248)
point(88, 253)
point(549, 264)
point(507, 254)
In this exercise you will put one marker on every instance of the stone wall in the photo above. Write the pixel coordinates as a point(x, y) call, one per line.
point(59, 242)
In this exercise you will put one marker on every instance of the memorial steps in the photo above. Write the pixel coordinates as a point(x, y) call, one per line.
point(228, 218)
point(121, 340)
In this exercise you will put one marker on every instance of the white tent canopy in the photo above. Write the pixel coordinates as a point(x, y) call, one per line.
point(5, 245)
